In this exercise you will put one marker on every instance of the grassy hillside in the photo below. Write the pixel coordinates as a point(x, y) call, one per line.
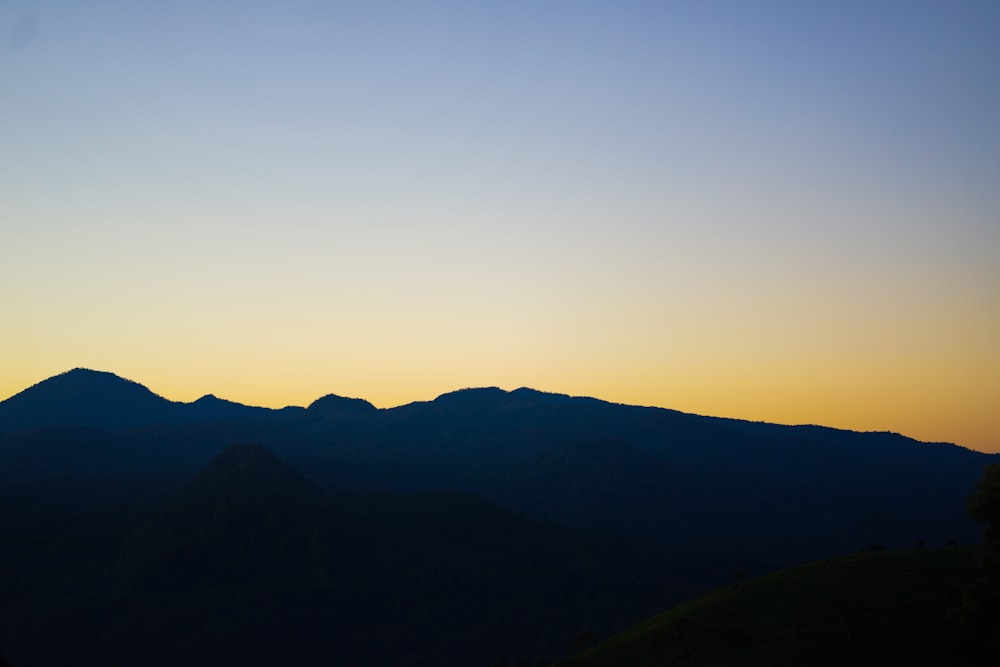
point(867, 609)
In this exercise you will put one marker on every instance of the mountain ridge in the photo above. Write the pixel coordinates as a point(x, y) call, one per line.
point(80, 384)
point(104, 400)
point(769, 494)
point(720, 495)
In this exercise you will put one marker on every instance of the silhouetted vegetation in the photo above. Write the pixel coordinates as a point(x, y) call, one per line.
point(977, 621)
point(984, 506)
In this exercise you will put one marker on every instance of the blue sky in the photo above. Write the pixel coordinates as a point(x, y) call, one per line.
point(773, 210)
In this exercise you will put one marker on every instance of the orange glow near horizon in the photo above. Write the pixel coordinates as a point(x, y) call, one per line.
point(881, 399)
point(787, 215)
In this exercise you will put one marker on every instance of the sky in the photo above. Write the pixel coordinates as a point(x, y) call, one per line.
point(776, 211)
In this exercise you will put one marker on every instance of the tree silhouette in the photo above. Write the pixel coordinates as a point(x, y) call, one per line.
point(984, 505)
point(979, 615)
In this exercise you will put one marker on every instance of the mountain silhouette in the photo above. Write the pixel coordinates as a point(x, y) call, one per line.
point(252, 563)
point(769, 494)
point(443, 525)
point(82, 397)
point(249, 468)
point(97, 399)
point(332, 406)
point(238, 517)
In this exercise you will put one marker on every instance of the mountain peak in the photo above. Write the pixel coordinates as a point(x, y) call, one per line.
point(332, 405)
point(472, 395)
point(105, 401)
point(245, 503)
point(82, 397)
point(245, 457)
point(82, 375)
point(251, 470)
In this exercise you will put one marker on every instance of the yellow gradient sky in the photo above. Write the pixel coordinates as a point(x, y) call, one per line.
point(774, 211)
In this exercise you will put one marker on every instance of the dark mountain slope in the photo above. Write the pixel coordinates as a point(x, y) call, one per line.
point(575, 480)
point(100, 400)
point(250, 563)
point(332, 406)
point(84, 397)
point(777, 494)
point(245, 516)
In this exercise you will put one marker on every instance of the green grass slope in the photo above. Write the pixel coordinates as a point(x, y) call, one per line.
point(867, 609)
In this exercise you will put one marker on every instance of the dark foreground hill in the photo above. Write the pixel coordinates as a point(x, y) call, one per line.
point(870, 609)
point(252, 564)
